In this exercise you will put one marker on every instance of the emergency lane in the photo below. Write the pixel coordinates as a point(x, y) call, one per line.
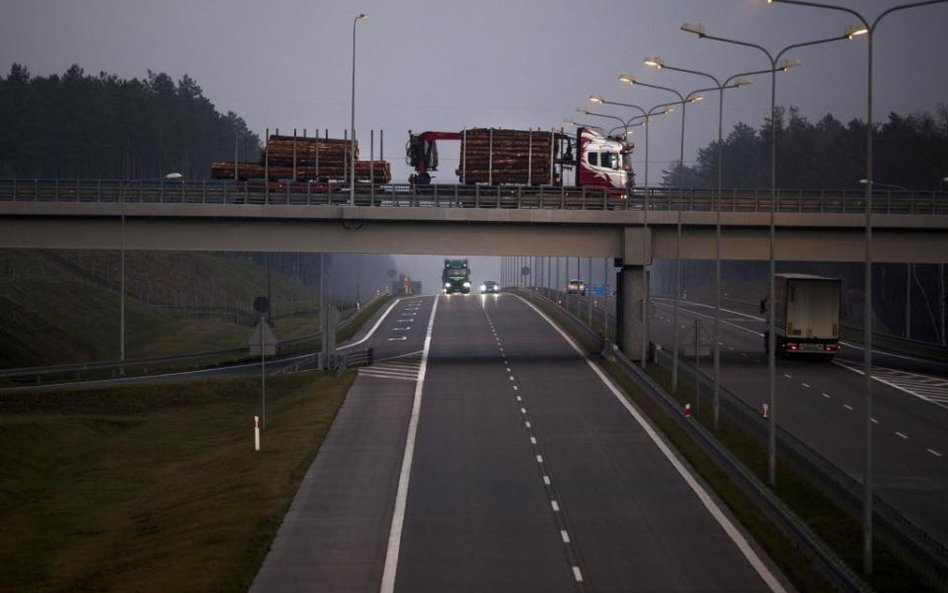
point(333, 537)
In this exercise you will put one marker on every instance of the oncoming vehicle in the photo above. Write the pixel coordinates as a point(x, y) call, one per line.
point(456, 277)
point(576, 287)
point(489, 286)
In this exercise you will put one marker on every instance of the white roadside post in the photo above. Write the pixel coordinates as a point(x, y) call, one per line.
point(256, 433)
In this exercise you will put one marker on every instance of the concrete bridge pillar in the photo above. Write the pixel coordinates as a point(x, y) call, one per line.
point(633, 287)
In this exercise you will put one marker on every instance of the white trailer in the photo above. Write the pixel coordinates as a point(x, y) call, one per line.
point(806, 310)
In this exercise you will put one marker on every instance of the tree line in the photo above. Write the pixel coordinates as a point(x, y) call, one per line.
point(79, 125)
point(908, 151)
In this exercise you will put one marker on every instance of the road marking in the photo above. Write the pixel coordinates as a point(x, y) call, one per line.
point(806, 385)
point(546, 480)
point(533, 440)
point(523, 410)
point(577, 574)
point(874, 421)
point(826, 395)
point(934, 452)
point(564, 535)
point(401, 339)
point(539, 459)
point(401, 329)
point(787, 376)
point(732, 532)
point(848, 407)
point(515, 388)
point(511, 377)
point(527, 424)
point(519, 399)
point(902, 435)
point(556, 507)
point(401, 496)
point(508, 370)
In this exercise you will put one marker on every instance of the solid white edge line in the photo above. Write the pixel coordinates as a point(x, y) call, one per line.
point(374, 327)
point(401, 496)
point(739, 540)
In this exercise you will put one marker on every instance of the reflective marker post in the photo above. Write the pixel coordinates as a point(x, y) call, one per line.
point(256, 433)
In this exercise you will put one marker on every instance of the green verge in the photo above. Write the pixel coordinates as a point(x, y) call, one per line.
point(840, 531)
point(154, 487)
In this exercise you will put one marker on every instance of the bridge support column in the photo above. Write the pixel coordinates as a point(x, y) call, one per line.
point(633, 288)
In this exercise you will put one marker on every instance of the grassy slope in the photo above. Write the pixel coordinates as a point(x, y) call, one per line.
point(52, 314)
point(153, 488)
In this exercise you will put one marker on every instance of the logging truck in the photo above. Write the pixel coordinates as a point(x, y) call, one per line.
point(495, 156)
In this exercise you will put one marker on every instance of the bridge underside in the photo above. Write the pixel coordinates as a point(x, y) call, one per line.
point(620, 235)
point(889, 245)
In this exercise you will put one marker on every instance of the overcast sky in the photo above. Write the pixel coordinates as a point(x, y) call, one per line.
point(449, 64)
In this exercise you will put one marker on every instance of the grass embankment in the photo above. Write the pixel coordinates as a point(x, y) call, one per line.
point(156, 487)
point(840, 531)
point(56, 310)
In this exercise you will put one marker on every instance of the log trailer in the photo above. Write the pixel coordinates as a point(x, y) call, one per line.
point(495, 156)
point(456, 276)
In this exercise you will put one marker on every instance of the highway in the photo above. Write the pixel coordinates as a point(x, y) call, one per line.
point(511, 464)
point(823, 404)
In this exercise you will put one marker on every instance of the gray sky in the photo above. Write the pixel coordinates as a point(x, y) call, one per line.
point(448, 64)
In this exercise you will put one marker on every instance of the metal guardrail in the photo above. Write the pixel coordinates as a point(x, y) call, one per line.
point(905, 538)
point(467, 196)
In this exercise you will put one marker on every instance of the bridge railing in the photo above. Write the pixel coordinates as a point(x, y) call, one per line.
point(173, 191)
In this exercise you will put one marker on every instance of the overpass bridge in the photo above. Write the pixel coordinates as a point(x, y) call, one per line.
point(818, 226)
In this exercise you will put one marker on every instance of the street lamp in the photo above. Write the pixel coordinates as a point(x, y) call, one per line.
point(869, 30)
point(880, 184)
point(692, 97)
point(352, 122)
point(776, 66)
point(734, 81)
point(660, 109)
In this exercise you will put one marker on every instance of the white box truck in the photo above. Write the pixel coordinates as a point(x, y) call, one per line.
point(806, 311)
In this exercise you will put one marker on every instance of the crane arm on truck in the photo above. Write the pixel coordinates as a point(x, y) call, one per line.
point(421, 153)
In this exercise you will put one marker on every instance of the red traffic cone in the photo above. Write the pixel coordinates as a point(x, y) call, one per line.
point(687, 411)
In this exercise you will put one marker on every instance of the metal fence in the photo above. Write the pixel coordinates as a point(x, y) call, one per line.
point(467, 196)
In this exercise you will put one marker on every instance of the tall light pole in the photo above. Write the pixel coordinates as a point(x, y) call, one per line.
point(869, 29)
point(699, 30)
point(352, 122)
point(683, 100)
point(659, 109)
point(734, 81)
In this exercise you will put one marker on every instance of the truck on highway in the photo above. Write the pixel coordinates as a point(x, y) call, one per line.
point(497, 156)
point(456, 277)
point(806, 315)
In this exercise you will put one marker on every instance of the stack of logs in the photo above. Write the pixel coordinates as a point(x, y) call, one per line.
point(316, 159)
point(507, 156)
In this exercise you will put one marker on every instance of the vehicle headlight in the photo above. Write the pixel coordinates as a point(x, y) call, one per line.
point(447, 285)
point(467, 285)
point(483, 287)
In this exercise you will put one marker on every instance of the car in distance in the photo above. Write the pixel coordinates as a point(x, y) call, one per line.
point(576, 287)
point(489, 286)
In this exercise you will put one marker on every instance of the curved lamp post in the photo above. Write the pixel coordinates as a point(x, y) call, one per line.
point(699, 30)
point(683, 100)
point(869, 29)
point(734, 81)
point(352, 121)
point(660, 109)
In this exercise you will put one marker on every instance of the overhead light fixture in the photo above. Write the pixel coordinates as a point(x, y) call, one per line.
point(655, 61)
point(696, 28)
point(597, 99)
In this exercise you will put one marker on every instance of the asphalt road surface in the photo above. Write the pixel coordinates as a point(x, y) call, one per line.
point(824, 405)
point(509, 465)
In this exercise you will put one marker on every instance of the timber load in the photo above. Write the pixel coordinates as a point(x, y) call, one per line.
point(492, 155)
point(305, 159)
